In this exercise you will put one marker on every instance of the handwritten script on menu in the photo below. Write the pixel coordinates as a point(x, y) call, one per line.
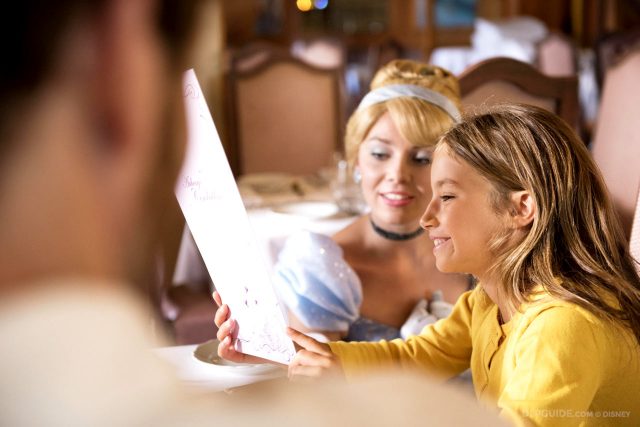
point(211, 204)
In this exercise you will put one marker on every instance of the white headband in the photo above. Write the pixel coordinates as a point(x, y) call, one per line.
point(385, 93)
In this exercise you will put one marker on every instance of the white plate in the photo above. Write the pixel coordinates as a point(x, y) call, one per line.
point(312, 210)
point(208, 353)
point(266, 183)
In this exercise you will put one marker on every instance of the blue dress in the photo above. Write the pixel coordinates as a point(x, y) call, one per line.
point(315, 283)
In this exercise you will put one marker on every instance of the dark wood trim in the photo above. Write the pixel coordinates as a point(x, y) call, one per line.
point(564, 90)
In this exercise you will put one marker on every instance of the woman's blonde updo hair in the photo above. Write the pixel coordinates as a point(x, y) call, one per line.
point(419, 121)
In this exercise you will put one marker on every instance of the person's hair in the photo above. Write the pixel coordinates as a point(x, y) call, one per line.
point(575, 247)
point(419, 121)
point(30, 37)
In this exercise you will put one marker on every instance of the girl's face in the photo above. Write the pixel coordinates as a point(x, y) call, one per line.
point(460, 219)
point(395, 176)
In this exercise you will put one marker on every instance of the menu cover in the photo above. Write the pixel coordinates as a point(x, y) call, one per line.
point(212, 206)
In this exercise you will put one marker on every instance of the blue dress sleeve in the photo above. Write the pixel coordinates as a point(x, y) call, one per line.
point(315, 283)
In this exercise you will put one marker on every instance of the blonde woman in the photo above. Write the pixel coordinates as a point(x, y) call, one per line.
point(364, 283)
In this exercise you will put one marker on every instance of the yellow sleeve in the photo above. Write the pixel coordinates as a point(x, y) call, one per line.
point(558, 369)
point(442, 348)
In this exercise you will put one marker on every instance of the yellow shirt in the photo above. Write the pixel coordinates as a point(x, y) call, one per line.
point(553, 363)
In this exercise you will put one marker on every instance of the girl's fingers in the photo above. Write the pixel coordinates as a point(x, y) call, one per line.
point(226, 330)
point(228, 352)
point(221, 315)
point(310, 358)
point(226, 349)
point(309, 343)
point(217, 298)
point(299, 372)
point(308, 363)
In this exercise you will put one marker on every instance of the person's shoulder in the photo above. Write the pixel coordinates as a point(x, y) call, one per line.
point(82, 306)
point(552, 309)
point(79, 340)
point(567, 321)
point(567, 325)
point(352, 235)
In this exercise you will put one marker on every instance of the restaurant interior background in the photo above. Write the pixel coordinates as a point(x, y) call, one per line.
point(282, 76)
point(368, 32)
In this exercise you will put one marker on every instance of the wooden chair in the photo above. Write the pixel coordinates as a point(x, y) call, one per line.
point(188, 306)
point(184, 307)
point(634, 241)
point(322, 52)
point(190, 317)
point(285, 116)
point(616, 142)
point(251, 55)
point(499, 80)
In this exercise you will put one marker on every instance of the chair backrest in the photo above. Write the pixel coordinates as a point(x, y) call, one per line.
point(253, 54)
point(322, 52)
point(634, 241)
point(286, 116)
point(616, 142)
point(500, 80)
point(557, 56)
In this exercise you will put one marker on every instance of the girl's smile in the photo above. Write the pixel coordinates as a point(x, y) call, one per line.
point(460, 219)
point(437, 242)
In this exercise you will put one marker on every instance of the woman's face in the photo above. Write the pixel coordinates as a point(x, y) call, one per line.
point(395, 176)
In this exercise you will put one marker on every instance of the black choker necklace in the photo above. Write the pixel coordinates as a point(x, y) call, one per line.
point(390, 235)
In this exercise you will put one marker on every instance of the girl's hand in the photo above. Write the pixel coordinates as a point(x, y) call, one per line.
point(227, 332)
point(313, 359)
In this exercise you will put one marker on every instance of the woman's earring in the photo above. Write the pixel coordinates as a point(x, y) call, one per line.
point(357, 177)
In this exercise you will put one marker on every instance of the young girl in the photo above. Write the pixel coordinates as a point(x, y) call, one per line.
point(552, 331)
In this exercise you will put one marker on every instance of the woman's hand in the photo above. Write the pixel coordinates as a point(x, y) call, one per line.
point(313, 358)
point(227, 332)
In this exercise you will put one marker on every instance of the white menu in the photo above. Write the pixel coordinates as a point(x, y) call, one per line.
point(213, 209)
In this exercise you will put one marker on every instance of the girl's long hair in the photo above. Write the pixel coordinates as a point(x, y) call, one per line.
point(575, 247)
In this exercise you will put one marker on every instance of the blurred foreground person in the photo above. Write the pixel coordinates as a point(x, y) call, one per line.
point(90, 116)
point(91, 137)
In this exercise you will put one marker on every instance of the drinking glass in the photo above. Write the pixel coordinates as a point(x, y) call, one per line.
point(346, 192)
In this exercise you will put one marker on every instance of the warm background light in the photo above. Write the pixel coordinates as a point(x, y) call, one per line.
point(320, 4)
point(304, 5)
